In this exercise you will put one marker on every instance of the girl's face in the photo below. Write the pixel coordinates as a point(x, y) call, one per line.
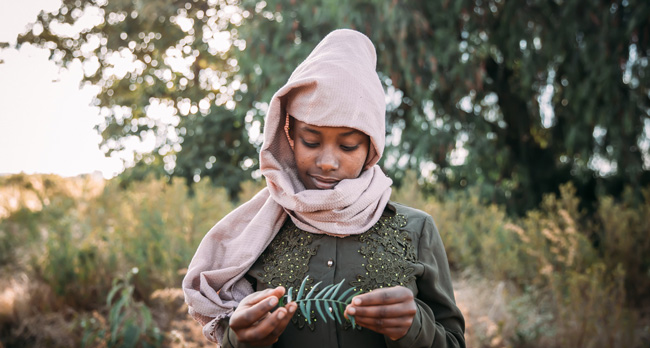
point(327, 155)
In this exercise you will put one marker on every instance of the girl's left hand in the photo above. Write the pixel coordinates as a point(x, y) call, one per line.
point(388, 311)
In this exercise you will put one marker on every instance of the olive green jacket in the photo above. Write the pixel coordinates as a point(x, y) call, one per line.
point(402, 248)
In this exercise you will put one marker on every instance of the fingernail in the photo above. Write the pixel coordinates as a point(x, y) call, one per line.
point(357, 301)
point(281, 315)
point(351, 310)
point(292, 309)
point(273, 301)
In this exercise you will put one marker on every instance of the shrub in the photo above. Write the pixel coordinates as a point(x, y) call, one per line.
point(555, 261)
point(622, 231)
point(569, 278)
point(130, 323)
point(152, 226)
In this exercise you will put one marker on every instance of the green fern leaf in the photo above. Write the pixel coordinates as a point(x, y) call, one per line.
point(343, 298)
point(307, 312)
point(322, 292)
point(320, 311)
point(303, 308)
point(302, 288)
point(326, 301)
point(312, 291)
point(351, 318)
point(336, 309)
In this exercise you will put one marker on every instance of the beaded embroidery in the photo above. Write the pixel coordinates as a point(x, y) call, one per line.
point(286, 262)
point(386, 250)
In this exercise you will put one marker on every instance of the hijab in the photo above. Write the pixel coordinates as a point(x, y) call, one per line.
point(336, 86)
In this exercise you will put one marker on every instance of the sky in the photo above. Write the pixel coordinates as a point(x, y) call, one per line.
point(46, 120)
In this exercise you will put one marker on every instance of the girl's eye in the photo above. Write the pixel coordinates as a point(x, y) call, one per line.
point(308, 144)
point(349, 148)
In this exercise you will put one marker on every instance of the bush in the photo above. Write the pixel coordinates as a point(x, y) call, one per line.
point(564, 277)
point(587, 285)
point(622, 231)
point(80, 237)
point(152, 226)
point(130, 323)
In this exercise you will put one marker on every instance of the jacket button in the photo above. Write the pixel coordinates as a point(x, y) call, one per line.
point(330, 263)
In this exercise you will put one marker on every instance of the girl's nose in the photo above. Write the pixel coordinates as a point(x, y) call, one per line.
point(327, 161)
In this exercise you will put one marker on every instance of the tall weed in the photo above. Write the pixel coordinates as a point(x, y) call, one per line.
point(130, 323)
point(622, 229)
point(576, 282)
point(153, 226)
point(570, 278)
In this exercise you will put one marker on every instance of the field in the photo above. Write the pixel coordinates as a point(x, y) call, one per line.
point(86, 262)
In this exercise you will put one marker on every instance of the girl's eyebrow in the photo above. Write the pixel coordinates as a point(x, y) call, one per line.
point(354, 131)
point(314, 131)
point(310, 130)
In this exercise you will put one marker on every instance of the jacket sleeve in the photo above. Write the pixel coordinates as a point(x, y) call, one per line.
point(230, 340)
point(438, 322)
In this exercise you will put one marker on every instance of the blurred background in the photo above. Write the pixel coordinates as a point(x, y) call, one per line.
point(129, 127)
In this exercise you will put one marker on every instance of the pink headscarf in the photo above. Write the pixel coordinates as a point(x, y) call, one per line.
point(336, 86)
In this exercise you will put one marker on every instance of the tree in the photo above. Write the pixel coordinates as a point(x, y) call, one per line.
point(516, 97)
point(166, 77)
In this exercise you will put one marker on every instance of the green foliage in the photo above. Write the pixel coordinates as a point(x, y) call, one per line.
point(21, 197)
point(79, 237)
point(205, 135)
point(621, 230)
point(537, 92)
point(579, 278)
point(19, 229)
point(585, 273)
point(325, 301)
point(90, 239)
point(130, 323)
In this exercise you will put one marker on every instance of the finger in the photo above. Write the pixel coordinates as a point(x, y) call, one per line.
point(396, 310)
point(260, 330)
point(245, 318)
point(258, 296)
point(267, 330)
point(383, 296)
point(257, 301)
point(394, 333)
point(255, 307)
point(284, 320)
point(373, 323)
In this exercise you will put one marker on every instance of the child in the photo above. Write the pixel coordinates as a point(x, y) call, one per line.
point(325, 213)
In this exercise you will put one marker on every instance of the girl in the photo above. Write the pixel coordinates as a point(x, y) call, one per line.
point(325, 213)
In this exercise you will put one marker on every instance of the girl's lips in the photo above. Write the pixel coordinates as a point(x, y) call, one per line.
point(324, 183)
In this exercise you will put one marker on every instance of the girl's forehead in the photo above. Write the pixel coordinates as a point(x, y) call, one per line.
point(314, 129)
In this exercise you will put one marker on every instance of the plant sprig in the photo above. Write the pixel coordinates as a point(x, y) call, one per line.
point(326, 302)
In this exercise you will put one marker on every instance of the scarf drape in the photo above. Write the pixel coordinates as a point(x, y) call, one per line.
point(336, 86)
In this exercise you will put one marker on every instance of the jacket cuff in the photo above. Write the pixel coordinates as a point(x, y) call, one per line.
point(229, 339)
point(411, 335)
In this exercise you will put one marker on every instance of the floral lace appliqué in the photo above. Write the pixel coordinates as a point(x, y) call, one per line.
point(286, 262)
point(387, 250)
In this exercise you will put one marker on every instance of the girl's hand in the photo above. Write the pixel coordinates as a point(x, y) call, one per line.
point(253, 322)
point(388, 311)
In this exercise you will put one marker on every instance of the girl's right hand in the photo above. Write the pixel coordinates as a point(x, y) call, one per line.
point(253, 322)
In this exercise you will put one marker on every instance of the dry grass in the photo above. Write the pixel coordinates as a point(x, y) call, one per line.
point(536, 281)
point(170, 311)
point(34, 191)
point(484, 304)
